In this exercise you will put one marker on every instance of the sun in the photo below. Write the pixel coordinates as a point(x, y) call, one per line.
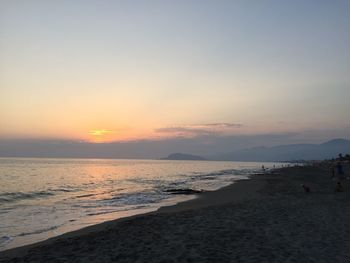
point(99, 135)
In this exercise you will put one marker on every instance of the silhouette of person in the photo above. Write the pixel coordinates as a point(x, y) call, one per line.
point(340, 170)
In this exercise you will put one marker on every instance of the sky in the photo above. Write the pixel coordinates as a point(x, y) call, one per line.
point(111, 71)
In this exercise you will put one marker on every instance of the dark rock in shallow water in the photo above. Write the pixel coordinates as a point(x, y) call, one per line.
point(183, 191)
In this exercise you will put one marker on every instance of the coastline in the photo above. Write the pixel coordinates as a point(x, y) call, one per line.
point(34, 210)
point(183, 203)
point(265, 218)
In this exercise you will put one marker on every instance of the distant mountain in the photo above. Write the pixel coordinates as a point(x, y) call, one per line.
point(183, 156)
point(290, 152)
point(336, 142)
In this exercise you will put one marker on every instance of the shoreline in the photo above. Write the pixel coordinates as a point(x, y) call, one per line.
point(263, 219)
point(194, 201)
point(42, 218)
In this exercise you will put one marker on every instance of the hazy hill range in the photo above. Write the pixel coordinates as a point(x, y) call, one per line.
point(290, 152)
point(183, 156)
point(218, 150)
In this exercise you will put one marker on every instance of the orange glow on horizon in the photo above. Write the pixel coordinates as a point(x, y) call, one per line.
point(116, 135)
point(100, 135)
point(100, 132)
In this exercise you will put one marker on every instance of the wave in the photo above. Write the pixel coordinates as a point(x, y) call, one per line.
point(66, 190)
point(135, 198)
point(163, 189)
point(86, 195)
point(4, 240)
point(9, 197)
point(17, 196)
point(38, 231)
point(116, 210)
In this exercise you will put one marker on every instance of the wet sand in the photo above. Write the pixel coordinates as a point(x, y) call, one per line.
point(268, 218)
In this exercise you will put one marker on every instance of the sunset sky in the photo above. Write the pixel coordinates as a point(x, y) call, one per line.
point(103, 71)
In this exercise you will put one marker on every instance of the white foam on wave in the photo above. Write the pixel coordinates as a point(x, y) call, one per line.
point(4, 240)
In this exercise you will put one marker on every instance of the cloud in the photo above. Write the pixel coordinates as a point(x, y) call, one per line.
point(184, 131)
point(194, 130)
point(222, 125)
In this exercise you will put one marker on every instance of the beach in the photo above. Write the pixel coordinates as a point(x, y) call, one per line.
point(268, 218)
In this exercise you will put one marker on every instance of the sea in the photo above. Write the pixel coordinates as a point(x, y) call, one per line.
point(43, 198)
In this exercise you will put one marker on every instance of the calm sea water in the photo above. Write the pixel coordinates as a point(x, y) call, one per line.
point(42, 198)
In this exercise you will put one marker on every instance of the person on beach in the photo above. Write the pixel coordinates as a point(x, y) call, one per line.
point(340, 170)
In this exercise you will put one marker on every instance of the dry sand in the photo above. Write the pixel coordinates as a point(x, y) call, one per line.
point(266, 219)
